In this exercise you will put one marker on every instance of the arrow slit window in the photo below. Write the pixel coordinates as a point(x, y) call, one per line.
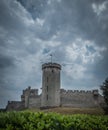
point(47, 88)
point(47, 79)
point(47, 97)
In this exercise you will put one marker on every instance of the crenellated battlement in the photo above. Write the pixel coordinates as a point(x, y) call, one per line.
point(29, 92)
point(63, 91)
point(51, 65)
point(68, 98)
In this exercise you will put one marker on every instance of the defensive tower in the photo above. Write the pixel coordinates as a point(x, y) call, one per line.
point(50, 85)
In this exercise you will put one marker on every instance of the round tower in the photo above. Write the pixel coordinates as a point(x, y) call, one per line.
point(50, 85)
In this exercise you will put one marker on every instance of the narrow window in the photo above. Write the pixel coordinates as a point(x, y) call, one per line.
point(52, 71)
point(47, 79)
point(47, 88)
point(47, 97)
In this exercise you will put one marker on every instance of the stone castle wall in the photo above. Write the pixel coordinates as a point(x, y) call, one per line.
point(81, 98)
point(35, 101)
point(15, 105)
point(68, 98)
point(31, 98)
point(53, 96)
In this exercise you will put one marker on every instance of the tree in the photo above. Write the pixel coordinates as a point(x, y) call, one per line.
point(104, 89)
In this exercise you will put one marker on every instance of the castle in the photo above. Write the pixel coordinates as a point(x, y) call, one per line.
point(53, 96)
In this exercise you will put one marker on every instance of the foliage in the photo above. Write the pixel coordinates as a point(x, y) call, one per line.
point(104, 88)
point(51, 121)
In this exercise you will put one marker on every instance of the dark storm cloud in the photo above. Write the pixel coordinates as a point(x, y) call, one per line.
point(8, 16)
point(74, 17)
point(12, 28)
point(7, 67)
point(36, 8)
point(6, 61)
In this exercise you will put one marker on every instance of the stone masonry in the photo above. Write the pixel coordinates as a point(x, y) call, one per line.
point(50, 85)
point(53, 96)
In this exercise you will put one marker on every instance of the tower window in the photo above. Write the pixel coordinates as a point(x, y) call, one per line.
point(47, 97)
point(52, 71)
point(47, 88)
point(47, 79)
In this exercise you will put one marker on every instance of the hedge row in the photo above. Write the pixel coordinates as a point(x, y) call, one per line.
point(51, 121)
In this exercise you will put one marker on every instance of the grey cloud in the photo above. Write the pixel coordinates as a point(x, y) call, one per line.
point(77, 18)
point(7, 16)
point(12, 48)
point(6, 61)
point(74, 17)
point(35, 7)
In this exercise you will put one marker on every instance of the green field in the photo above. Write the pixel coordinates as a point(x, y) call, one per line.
point(29, 120)
point(69, 110)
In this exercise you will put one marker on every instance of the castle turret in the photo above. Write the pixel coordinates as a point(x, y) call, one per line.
point(50, 85)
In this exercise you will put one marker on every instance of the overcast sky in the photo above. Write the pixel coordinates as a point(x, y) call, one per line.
point(75, 32)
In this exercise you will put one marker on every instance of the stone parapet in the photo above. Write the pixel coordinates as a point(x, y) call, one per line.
point(63, 91)
point(51, 65)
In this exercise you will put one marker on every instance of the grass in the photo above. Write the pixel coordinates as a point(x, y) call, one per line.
point(68, 110)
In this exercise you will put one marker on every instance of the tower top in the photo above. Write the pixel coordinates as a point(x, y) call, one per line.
point(51, 65)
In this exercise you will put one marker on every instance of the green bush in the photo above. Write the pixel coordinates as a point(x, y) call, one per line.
point(51, 121)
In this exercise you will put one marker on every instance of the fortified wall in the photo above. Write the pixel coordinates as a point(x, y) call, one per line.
point(68, 98)
point(29, 99)
point(80, 98)
point(52, 95)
